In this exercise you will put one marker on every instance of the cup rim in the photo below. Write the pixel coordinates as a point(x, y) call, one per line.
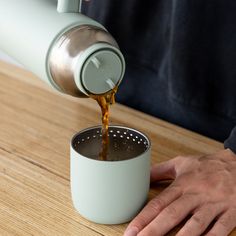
point(112, 126)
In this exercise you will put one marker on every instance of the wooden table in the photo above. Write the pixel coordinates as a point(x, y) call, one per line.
point(36, 125)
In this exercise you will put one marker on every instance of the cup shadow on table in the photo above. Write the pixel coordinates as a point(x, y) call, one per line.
point(158, 187)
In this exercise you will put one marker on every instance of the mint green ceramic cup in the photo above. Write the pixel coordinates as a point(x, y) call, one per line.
point(115, 190)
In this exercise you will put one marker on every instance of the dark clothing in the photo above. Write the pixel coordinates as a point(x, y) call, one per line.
point(230, 142)
point(181, 60)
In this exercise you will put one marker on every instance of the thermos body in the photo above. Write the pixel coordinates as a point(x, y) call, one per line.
point(30, 28)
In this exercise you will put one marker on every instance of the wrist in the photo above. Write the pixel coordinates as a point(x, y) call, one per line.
point(230, 153)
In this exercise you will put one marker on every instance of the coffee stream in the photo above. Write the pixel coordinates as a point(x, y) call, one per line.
point(104, 101)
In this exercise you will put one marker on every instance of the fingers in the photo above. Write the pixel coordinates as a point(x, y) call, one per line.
point(224, 225)
point(152, 209)
point(201, 219)
point(164, 170)
point(171, 216)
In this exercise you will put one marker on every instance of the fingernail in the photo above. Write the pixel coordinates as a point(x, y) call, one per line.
point(133, 231)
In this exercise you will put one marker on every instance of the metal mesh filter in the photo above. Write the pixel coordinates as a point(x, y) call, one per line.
point(124, 143)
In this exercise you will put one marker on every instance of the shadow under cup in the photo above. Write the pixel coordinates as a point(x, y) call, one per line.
point(115, 190)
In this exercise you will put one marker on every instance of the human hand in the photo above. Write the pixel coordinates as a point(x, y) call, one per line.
point(203, 187)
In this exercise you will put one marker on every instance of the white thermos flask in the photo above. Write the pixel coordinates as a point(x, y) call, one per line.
point(73, 53)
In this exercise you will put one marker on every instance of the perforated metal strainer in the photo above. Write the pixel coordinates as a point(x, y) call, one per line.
point(124, 143)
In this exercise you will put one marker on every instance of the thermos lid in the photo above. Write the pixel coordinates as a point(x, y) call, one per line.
point(99, 69)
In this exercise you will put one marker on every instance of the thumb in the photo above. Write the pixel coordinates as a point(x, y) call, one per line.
point(163, 171)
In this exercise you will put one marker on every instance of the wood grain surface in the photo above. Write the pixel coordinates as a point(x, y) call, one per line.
point(36, 125)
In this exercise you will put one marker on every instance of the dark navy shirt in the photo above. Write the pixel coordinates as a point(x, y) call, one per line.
point(181, 60)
